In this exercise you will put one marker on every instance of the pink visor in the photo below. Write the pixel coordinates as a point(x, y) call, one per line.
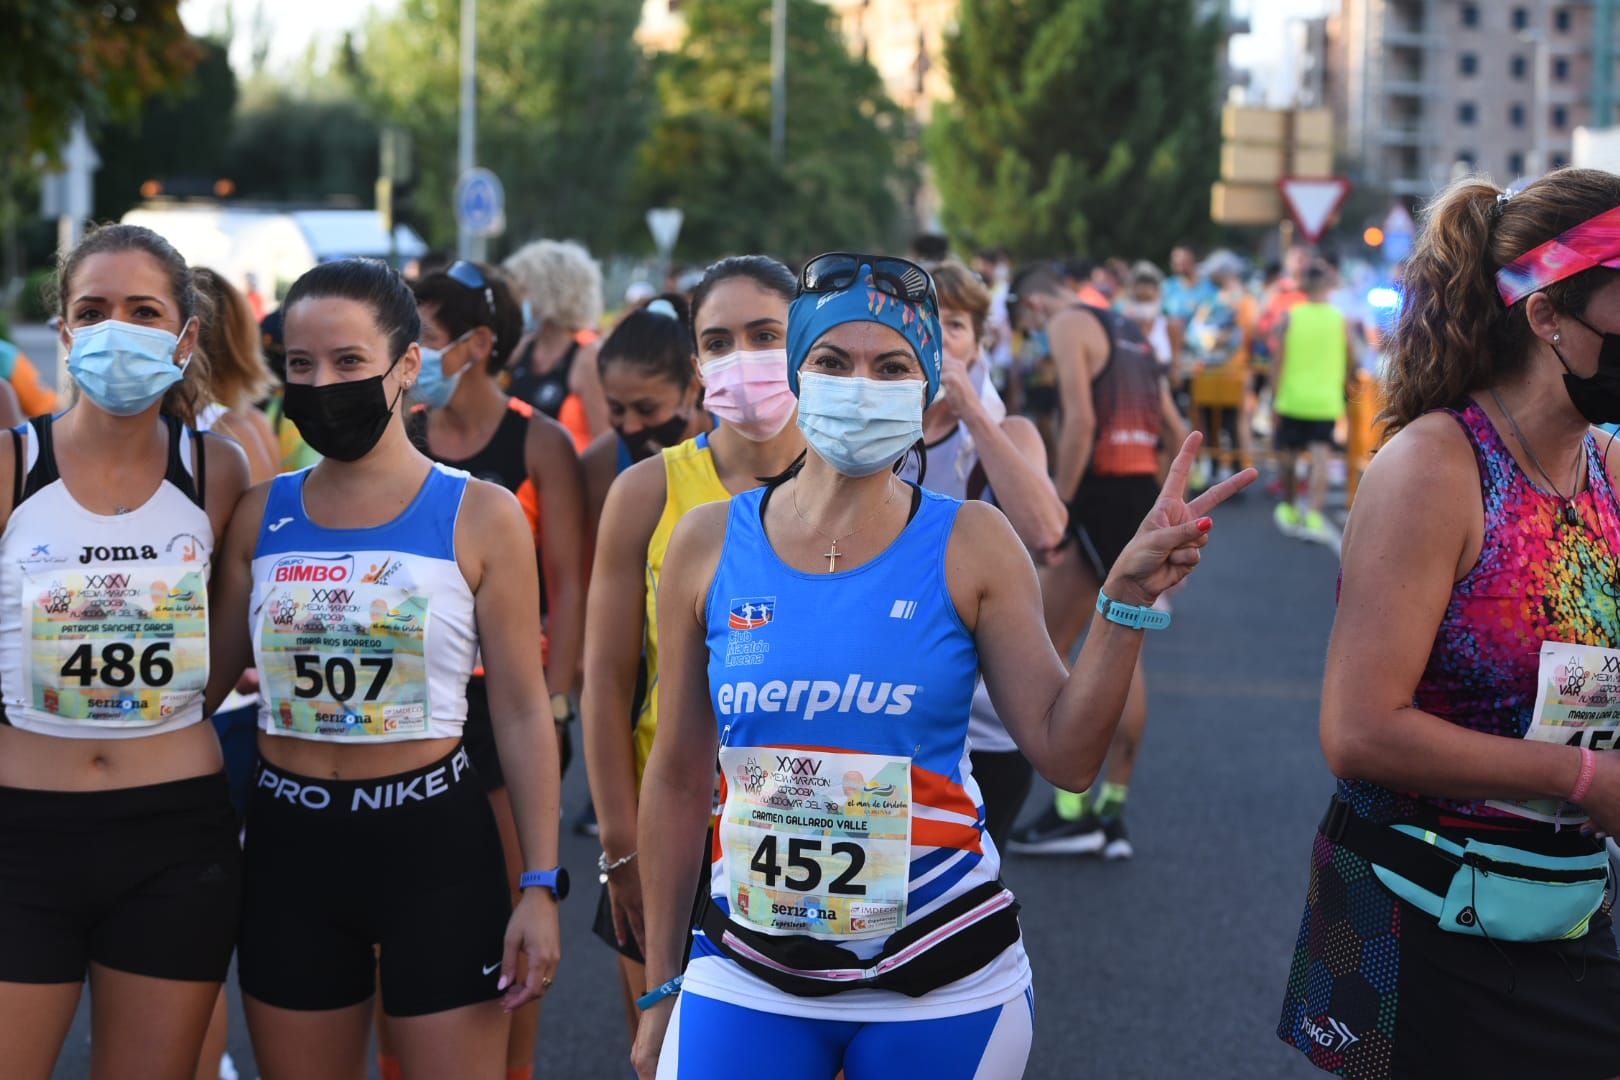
point(1595, 242)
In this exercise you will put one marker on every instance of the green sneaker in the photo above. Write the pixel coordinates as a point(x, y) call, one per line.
point(1318, 528)
point(1287, 518)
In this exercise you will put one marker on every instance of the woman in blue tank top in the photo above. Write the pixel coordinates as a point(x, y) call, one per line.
point(823, 636)
point(361, 584)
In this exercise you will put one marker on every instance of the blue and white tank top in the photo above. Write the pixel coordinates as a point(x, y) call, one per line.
point(104, 617)
point(363, 635)
point(850, 808)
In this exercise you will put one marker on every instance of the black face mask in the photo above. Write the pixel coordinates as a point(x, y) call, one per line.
point(341, 420)
point(649, 440)
point(1596, 397)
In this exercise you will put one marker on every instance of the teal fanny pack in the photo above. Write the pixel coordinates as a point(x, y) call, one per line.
point(1470, 886)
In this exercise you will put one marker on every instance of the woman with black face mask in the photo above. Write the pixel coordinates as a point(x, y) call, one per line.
point(649, 378)
point(358, 588)
point(461, 417)
point(1455, 923)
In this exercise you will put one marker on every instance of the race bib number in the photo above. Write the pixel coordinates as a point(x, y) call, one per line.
point(1577, 704)
point(113, 646)
point(816, 843)
point(345, 659)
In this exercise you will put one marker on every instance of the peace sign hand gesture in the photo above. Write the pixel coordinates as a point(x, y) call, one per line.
point(1170, 540)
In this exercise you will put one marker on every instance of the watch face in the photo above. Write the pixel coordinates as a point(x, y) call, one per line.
point(562, 883)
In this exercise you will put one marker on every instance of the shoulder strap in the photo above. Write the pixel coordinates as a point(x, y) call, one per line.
point(176, 473)
point(44, 471)
point(17, 451)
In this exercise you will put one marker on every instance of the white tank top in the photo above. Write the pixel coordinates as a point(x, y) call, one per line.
point(363, 635)
point(104, 618)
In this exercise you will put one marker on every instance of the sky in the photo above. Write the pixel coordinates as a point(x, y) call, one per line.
point(296, 23)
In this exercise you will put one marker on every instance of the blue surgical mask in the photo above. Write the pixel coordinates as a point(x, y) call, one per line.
point(1041, 343)
point(433, 387)
point(124, 368)
point(859, 426)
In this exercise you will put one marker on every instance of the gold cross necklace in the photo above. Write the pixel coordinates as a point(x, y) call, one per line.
point(832, 556)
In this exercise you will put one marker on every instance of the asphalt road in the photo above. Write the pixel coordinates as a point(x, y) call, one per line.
point(1168, 966)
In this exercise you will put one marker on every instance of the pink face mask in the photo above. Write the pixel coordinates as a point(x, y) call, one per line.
point(749, 392)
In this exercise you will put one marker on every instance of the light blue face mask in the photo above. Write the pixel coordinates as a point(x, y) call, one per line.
point(530, 323)
point(433, 387)
point(123, 368)
point(1041, 342)
point(859, 426)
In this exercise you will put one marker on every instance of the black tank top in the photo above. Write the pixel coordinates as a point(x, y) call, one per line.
point(547, 391)
point(500, 460)
point(1125, 396)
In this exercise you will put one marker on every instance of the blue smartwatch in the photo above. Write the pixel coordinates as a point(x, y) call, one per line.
point(555, 879)
point(1131, 615)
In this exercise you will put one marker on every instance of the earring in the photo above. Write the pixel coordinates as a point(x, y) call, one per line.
point(1557, 338)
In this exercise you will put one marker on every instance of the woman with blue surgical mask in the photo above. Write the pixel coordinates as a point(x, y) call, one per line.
point(822, 636)
point(118, 845)
point(461, 417)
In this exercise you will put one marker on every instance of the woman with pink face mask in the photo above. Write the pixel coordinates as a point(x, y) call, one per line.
point(739, 330)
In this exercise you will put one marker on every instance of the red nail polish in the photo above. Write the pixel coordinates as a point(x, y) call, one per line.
point(1205, 524)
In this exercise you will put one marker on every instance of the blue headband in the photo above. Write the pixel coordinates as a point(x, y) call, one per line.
point(813, 314)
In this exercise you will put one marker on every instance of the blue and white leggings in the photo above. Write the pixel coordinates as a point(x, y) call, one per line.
point(715, 1040)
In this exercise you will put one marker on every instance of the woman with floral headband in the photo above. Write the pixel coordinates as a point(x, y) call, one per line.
point(1455, 923)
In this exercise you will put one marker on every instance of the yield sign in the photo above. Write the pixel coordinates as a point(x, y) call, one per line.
point(1312, 203)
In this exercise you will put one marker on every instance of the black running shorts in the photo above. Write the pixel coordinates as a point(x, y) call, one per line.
point(409, 864)
point(1296, 435)
point(1106, 512)
point(145, 880)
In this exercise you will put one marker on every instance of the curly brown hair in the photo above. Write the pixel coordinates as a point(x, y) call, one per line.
point(1454, 335)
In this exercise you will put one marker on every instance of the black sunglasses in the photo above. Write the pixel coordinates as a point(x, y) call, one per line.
point(465, 273)
point(900, 278)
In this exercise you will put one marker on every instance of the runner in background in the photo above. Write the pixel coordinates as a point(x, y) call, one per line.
point(238, 378)
point(1221, 338)
point(118, 848)
point(1106, 470)
point(739, 321)
point(1143, 305)
point(1186, 288)
point(33, 397)
point(974, 450)
point(1313, 374)
point(650, 383)
point(462, 418)
point(1455, 923)
point(295, 452)
point(554, 367)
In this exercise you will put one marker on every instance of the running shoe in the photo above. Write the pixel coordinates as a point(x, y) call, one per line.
point(1052, 834)
point(1317, 528)
point(585, 821)
point(1118, 845)
point(1288, 519)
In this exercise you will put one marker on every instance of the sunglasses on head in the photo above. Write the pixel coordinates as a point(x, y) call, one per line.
point(900, 278)
point(465, 273)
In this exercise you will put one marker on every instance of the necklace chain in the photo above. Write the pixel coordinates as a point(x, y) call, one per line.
point(1571, 515)
point(832, 556)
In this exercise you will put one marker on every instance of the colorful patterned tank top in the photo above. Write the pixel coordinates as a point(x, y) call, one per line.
point(1537, 579)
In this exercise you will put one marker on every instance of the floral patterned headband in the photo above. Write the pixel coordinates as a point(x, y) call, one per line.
point(1594, 242)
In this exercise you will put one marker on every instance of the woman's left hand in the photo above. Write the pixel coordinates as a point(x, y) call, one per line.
point(1168, 544)
point(533, 931)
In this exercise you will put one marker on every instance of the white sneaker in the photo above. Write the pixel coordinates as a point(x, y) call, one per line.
point(227, 1068)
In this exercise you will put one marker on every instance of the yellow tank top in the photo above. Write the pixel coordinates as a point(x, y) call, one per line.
point(689, 481)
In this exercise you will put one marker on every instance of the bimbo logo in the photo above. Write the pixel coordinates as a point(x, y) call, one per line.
point(311, 569)
point(813, 697)
point(752, 612)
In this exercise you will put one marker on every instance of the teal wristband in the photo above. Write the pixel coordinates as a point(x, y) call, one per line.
point(653, 997)
point(1130, 615)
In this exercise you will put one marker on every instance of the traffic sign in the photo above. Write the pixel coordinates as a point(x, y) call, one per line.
point(1312, 203)
point(481, 203)
point(664, 222)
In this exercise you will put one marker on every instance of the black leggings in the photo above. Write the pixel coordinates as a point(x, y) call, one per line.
point(1004, 778)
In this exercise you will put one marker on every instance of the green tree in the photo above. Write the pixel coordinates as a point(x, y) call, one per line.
point(178, 139)
point(561, 108)
point(1079, 125)
point(710, 152)
point(288, 148)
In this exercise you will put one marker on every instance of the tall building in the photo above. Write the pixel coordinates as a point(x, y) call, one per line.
point(1425, 90)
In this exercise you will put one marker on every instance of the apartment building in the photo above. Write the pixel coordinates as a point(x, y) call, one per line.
point(1425, 90)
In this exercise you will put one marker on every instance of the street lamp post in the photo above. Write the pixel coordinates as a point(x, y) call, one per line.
point(468, 245)
point(779, 81)
point(1541, 57)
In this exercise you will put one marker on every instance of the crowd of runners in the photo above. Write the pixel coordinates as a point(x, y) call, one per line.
point(813, 568)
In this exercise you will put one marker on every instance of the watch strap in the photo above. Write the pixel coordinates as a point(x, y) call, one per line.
point(1132, 616)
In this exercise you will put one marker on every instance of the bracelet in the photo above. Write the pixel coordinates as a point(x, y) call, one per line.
point(653, 997)
point(604, 868)
point(1583, 783)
